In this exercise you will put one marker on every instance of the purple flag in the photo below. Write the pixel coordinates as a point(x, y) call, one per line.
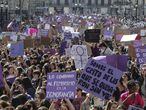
point(61, 85)
point(117, 61)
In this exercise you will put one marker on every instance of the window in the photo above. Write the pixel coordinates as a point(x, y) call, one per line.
point(102, 2)
point(89, 2)
point(109, 2)
point(96, 2)
point(66, 2)
point(58, 2)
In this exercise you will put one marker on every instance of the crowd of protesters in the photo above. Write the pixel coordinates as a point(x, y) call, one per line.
point(25, 77)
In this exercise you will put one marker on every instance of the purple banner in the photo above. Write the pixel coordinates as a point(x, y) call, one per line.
point(99, 79)
point(141, 54)
point(137, 43)
point(117, 61)
point(108, 34)
point(119, 37)
point(17, 49)
point(61, 85)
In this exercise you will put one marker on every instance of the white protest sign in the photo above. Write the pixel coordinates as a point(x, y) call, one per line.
point(142, 32)
point(14, 37)
point(66, 10)
point(99, 79)
point(47, 26)
point(80, 56)
point(67, 35)
point(68, 52)
point(68, 28)
point(75, 34)
point(134, 108)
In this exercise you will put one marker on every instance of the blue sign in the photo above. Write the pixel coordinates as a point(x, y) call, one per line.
point(17, 49)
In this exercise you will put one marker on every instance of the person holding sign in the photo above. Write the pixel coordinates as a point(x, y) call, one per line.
point(64, 105)
point(132, 97)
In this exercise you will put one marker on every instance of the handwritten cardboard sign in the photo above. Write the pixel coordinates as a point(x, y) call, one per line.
point(99, 79)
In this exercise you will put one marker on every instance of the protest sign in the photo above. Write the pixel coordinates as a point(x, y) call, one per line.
point(119, 30)
point(118, 37)
point(32, 32)
point(92, 35)
point(68, 52)
point(1, 77)
point(108, 34)
point(47, 26)
point(141, 54)
point(28, 42)
point(128, 38)
point(143, 39)
point(137, 43)
point(75, 34)
point(131, 51)
point(43, 32)
point(115, 61)
point(63, 46)
point(80, 56)
point(131, 107)
point(17, 49)
point(61, 85)
point(142, 32)
point(99, 79)
point(45, 40)
point(14, 37)
point(67, 28)
point(67, 35)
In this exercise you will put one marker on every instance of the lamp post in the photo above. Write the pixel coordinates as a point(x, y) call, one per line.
point(136, 9)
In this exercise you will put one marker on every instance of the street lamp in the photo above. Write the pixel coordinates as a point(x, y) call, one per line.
point(136, 9)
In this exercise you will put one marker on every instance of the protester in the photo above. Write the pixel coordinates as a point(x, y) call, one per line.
point(25, 77)
point(132, 96)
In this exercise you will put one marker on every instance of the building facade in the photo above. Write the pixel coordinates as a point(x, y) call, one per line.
point(82, 6)
point(78, 6)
